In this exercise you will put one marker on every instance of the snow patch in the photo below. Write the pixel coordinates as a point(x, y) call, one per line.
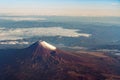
point(47, 45)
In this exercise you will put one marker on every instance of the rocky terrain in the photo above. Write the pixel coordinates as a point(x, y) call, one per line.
point(43, 61)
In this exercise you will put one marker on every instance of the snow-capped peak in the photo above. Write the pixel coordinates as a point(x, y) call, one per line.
point(47, 45)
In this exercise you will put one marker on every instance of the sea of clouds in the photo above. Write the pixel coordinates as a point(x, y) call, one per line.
point(22, 18)
point(21, 33)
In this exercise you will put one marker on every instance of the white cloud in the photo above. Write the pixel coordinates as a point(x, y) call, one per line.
point(22, 18)
point(1, 28)
point(20, 33)
point(78, 47)
point(115, 4)
point(14, 42)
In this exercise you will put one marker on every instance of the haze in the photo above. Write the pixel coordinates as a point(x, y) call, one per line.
point(61, 7)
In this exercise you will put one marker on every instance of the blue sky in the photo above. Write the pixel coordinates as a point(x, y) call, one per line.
point(61, 7)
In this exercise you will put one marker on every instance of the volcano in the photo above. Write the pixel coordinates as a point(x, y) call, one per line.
point(42, 48)
point(43, 61)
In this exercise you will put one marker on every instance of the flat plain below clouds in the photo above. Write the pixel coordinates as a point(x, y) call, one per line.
point(21, 33)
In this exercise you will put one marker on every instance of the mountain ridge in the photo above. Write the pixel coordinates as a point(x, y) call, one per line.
point(39, 62)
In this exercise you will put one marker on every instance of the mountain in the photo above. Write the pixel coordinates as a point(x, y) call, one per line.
point(43, 61)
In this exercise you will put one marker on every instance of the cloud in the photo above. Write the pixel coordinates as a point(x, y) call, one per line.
point(2, 28)
point(115, 4)
point(22, 18)
point(78, 47)
point(14, 42)
point(20, 33)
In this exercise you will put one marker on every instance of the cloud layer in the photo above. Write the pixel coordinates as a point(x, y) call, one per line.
point(14, 42)
point(22, 18)
point(20, 33)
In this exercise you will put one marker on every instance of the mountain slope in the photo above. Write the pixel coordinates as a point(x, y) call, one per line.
point(43, 61)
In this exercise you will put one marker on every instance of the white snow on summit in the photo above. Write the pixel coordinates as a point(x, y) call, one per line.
point(47, 45)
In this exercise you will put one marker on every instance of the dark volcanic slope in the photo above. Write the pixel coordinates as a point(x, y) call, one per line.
point(42, 61)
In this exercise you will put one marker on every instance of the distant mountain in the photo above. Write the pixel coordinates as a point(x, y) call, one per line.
point(43, 61)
